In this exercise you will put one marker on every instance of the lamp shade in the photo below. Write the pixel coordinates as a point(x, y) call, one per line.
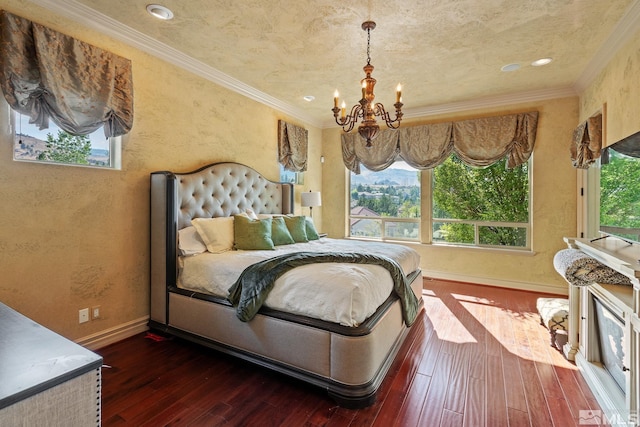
point(311, 198)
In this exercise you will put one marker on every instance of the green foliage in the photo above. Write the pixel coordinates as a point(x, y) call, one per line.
point(389, 200)
point(67, 148)
point(481, 194)
point(620, 191)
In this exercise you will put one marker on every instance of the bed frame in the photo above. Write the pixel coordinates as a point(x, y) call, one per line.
point(350, 363)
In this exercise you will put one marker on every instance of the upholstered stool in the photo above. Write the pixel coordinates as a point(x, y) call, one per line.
point(554, 315)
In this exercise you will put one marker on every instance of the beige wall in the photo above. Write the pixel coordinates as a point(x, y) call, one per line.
point(617, 87)
point(73, 237)
point(553, 200)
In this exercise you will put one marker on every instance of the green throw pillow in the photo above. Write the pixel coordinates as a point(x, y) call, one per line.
point(252, 234)
point(312, 233)
point(297, 227)
point(279, 232)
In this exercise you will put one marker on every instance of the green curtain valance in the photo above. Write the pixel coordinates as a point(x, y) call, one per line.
point(293, 142)
point(477, 142)
point(46, 75)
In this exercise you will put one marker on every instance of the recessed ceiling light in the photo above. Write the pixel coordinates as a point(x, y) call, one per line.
point(542, 61)
point(159, 12)
point(510, 67)
point(309, 98)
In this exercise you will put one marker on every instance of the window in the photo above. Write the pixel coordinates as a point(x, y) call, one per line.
point(480, 206)
point(386, 204)
point(53, 145)
point(486, 207)
point(620, 190)
point(291, 177)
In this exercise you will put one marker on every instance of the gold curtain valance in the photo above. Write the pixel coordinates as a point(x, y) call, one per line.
point(293, 144)
point(46, 75)
point(587, 142)
point(477, 142)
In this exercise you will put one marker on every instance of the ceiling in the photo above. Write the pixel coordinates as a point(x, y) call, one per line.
point(446, 54)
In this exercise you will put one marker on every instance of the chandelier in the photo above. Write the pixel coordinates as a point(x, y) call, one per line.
point(366, 109)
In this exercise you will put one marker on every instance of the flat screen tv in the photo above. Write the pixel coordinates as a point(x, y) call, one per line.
point(620, 189)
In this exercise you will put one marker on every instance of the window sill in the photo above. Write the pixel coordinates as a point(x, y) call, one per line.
point(503, 251)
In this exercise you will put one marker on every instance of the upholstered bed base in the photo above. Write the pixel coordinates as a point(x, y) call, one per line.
point(350, 363)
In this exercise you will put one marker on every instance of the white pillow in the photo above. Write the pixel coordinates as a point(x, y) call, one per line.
point(189, 242)
point(251, 214)
point(216, 233)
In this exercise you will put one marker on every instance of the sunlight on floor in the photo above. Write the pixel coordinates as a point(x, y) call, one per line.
point(463, 318)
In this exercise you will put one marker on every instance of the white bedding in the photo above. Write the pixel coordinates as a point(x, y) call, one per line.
point(342, 293)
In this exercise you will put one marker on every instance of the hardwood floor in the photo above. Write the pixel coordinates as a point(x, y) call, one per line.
point(477, 357)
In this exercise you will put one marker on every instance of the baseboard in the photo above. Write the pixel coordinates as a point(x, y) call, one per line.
point(510, 284)
point(115, 334)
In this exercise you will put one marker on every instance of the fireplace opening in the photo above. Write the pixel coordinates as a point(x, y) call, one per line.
point(610, 338)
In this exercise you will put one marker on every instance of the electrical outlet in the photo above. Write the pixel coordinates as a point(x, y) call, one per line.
point(95, 312)
point(83, 315)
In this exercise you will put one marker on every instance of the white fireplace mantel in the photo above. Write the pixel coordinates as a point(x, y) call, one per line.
point(624, 301)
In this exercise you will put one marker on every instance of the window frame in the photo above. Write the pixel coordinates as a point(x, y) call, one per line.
point(115, 147)
point(426, 220)
point(385, 219)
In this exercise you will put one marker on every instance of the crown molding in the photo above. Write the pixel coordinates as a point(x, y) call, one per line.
point(621, 34)
point(103, 24)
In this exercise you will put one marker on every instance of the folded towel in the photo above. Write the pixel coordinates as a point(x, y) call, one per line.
point(579, 269)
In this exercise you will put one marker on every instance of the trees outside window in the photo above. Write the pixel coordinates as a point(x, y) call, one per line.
point(620, 196)
point(67, 148)
point(481, 206)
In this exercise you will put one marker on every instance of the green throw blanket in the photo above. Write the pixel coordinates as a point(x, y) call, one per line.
point(250, 291)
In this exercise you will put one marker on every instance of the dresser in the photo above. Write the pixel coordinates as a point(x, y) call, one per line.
point(45, 379)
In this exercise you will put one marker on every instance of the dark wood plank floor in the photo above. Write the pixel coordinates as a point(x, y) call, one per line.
point(478, 357)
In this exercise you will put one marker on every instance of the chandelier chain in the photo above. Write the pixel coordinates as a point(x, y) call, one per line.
point(368, 46)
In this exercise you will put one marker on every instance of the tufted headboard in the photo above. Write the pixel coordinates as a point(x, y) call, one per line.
point(219, 189)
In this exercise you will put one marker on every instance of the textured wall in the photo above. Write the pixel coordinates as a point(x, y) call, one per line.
point(553, 212)
point(617, 86)
point(74, 237)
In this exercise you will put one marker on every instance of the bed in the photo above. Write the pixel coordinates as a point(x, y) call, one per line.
point(347, 355)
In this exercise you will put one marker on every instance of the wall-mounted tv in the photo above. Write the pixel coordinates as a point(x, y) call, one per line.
point(620, 189)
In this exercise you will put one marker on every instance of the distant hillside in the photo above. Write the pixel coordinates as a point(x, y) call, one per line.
point(386, 177)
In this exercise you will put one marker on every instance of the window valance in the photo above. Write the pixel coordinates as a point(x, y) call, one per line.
point(477, 142)
point(293, 144)
point(587, 142)
point(46, 75)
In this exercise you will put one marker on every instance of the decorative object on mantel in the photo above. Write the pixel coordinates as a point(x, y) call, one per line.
point(293, 144)
point(310, 199)
point(587, 142)
point(366, 110)
point(579, 269)
point(94, 88)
